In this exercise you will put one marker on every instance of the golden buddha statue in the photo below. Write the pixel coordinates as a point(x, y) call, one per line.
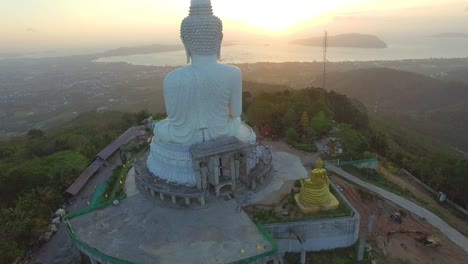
point(315, 193)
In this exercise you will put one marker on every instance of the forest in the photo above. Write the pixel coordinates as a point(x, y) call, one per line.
point(308, 114)
point(35, 170)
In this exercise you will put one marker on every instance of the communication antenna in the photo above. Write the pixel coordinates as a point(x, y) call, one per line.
point(325, 46)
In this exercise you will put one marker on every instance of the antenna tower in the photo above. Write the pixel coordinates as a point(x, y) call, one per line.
point(325, 46)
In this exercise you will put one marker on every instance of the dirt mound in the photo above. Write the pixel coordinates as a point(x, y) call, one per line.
point(392, 242)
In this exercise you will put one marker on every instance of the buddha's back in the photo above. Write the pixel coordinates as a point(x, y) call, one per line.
point(203, 102)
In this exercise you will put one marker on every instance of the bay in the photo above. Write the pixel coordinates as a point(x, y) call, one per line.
point(398, 49)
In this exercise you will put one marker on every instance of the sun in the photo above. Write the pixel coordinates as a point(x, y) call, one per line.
point(274, 15)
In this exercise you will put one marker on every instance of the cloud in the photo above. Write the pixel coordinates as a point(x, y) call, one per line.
point(30, 30)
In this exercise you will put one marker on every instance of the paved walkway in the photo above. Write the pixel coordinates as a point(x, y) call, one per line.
point(450, 232)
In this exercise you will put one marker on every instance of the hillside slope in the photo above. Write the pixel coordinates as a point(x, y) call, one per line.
point(416, 102)
point(387, 90)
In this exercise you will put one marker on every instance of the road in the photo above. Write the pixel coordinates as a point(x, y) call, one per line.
point(434, 220)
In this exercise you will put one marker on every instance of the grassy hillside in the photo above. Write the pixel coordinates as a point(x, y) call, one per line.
point(387, 90)
point(35, 169)
point(415, 102)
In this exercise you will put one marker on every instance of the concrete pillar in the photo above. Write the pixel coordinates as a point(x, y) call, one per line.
point(204, 175)
point(174, 201)
point(152, 193)
point(161, 196)
point(247, 166)
point(216, 169)
point(303, 254)
point(198, 176)
point(233, 173)
point(237, 168)
point(187, 201)
point(202, 200)
point(362, 242)
point(247, 170)
point(362, 246)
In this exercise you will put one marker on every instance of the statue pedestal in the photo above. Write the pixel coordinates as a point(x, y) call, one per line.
point(171, 163)
point(307, 209)
point(175, 163)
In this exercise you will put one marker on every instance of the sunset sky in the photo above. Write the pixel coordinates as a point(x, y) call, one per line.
point(32, 25)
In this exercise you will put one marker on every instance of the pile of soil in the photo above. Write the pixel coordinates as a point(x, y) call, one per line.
point(391, 242)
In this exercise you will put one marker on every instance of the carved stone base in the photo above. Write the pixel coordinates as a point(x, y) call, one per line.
point(307, 209)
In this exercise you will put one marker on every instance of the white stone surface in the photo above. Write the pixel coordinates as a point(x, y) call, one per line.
point(286, 167)
point(203, 100)
point(130, 186)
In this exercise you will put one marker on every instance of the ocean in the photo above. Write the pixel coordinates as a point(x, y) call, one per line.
point(398, 49)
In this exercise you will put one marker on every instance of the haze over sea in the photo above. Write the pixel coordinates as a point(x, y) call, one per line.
point(398, 49)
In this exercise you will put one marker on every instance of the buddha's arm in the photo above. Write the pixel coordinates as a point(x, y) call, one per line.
point(235, 102)
point(170, 100)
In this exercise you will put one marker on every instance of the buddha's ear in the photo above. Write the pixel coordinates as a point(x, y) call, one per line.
point(219, 49)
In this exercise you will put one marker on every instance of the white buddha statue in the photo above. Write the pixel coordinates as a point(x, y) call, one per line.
point(203, 100)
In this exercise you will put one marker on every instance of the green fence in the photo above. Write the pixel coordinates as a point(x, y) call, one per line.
point(98, 194)
point(97, 202)
point(341, 163)
point(356, 162)
point(99, 255)
point(76, 240)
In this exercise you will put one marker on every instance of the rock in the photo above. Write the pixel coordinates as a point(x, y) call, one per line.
point(285, 213)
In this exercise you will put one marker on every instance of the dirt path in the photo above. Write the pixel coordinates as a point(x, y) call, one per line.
point(389, 247)
point(426, 197)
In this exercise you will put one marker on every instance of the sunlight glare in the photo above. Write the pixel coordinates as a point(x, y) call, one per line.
point(274, 15)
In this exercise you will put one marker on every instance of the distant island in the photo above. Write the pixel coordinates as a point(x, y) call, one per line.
point(148, 49)
point(450, 35)
point(352, 40)
point(127, 51)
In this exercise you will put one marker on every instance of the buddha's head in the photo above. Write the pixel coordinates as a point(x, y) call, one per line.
point(319, 163)
point(201, 32)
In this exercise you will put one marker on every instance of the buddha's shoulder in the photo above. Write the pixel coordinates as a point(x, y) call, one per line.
point(177, 74)
point(229, 69)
